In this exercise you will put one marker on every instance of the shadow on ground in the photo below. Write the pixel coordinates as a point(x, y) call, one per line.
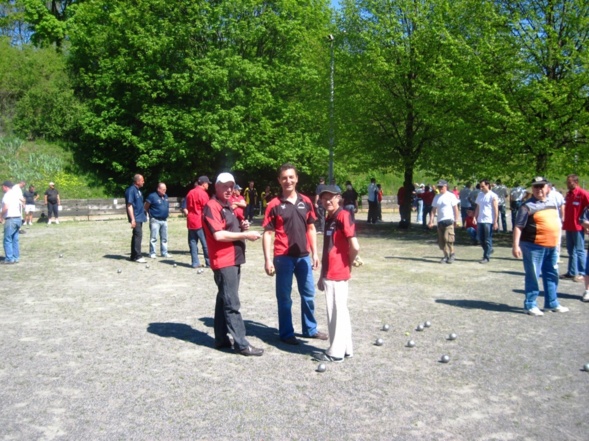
point(481, 304)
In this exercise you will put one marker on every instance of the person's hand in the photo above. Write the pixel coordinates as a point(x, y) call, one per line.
point(252, 235)
point(245, 225)
point(516, 252)
point(315, 261)
point(495, 226)
point(474, 221)
point(133, 224)
point(269, 268)
point(321, 284)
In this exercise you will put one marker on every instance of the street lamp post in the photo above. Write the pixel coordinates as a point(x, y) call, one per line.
point(331, 40)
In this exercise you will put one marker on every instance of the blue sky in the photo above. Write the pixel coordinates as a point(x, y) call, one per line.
point(334, 3)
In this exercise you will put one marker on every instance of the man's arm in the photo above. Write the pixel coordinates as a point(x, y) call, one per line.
point(432, 215)
point(354, 249)
point(231, 236)
point(456, 214)
point(476, 215)
point(58, 199)
point(131, 214)
point(312, 233)
point(267, 248)
point(146, 206)
point(516, 250)
point(495, 214)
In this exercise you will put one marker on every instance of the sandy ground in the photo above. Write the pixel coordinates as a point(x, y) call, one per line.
point(88, 353)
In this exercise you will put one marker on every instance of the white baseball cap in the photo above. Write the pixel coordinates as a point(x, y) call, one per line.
point(224, 178)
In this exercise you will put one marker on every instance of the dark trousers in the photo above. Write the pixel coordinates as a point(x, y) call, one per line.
point(227, 316)
point(52, 210)
point(321, 216)
point(427, 210)
point(136, 241)
point(503, 218)
point(372, 212)
point(486, 238)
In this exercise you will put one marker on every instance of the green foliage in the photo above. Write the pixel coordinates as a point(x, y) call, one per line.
point(174, 89)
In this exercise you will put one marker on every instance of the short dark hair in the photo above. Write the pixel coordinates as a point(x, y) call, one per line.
point(574, 177)
point(287, 166)
point(485, 181)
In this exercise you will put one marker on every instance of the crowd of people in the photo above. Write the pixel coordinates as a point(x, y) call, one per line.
point(221, 224)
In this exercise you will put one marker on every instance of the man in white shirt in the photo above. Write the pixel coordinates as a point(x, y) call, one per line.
point(445, 206)
point(486, 217)
point(11, 217)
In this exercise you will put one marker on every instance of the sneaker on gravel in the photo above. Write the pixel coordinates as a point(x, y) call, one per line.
point(444, 260)
point(140, 260)
point(152, 256)
point(452, 258)
point(560, 308)
point(535, 311)
point(322, 356)
point(586, 296)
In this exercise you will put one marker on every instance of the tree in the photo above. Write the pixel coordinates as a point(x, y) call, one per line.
point(177, 88)
point(47, 20)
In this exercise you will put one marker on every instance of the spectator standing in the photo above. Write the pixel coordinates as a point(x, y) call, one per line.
point(501, 191)
point(158, 208)
point(292, 219)
point(238, 203)
point(350, 200)
point(379, 203)
point(52, 201)
point(30, 197)
point(428, 198)
point(10, 216)
point(373, 202)
point(267, 196)
point(419, 189)
point(445, 207)
point(516, 199)
point(196, 200)
point(250, 195)
point(471, 227)
point(465, 204)
point(486, 213)
point(136, 216)
point(319, 210)
point(535, 235)
point(340, 248)
point(226, 236)
point(575, 202)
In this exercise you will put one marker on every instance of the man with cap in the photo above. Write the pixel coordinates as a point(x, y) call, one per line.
point(486, 216)
point(226, 236)
point(30, 197)
point(238, 203)
point(535, 235)
point(11, 217)
point(445, 207)
point(53, 202)
point(340, 248)
point(158, 208)
point(292, 219)
point(136, 216)
point(196, 200)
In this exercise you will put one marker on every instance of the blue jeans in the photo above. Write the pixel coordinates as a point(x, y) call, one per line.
point(11, 249)
point(463, 213)
point(486, 238)
point(427, 210)
point(576, 250)
point(503, 218)
point(158, 228)
point(472, 234)
point(419, 211)
point(302, 269)
point(540, 259)
point(194, 236)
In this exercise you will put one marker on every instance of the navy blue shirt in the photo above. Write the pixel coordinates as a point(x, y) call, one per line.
point(159, 207)
point(134, 197)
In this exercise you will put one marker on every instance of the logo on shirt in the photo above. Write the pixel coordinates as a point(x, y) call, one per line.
point(301, 206)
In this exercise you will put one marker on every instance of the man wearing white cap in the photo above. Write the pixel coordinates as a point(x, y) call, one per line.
point(226, 236)
point(53, 202)
point(10, 216)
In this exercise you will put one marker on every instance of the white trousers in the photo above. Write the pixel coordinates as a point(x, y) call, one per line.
point(338, 319)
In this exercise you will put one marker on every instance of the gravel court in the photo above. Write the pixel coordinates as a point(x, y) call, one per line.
point(90, 353)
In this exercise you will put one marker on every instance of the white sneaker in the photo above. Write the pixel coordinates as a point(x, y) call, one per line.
point(152, 256)
point(57, 221)
point(141, 260)
point(535, 311)
point(586, 296)
point(560, 308)
point(166, 255)
point(49, 222)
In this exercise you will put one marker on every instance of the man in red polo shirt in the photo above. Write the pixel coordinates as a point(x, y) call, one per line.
point(292, 219)
point(196, 199)
point(575, 201)
point(226, 236)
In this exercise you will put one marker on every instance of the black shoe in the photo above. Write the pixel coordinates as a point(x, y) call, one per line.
point(250, 350)
point(566, 276)
point(290, 341)
point(224, 345)
point(452, 258)
point(8, 262)
point(320, 336)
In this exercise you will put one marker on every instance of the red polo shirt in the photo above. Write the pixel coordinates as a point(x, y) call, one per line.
point(575, 201)
point(196, 199)
point(335, 262)
point(218, 216)
point(289, 222)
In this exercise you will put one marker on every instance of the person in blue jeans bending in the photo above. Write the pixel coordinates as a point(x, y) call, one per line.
point(292, 219)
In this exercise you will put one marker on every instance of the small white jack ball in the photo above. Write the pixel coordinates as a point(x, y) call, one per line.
point(119, 271)
point(385, 327)
point(379, 342)
point(200, 271)
point(174, 265)
point(410, 344)
point(60, 256)
point(321, 367)
point(146, 266)
point(445, 358)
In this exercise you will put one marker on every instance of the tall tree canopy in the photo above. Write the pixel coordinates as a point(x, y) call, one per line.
point(174, 88)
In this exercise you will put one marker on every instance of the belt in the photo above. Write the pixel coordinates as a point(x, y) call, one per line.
point(159, 219)
point(13, 217)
